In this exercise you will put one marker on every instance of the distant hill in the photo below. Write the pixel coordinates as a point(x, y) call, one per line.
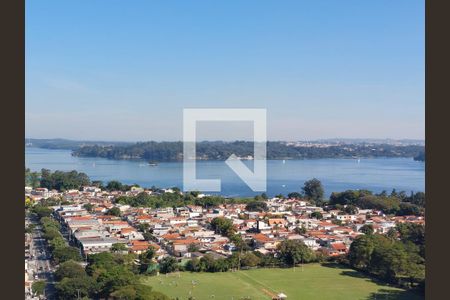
point(67, 144)
point(374, 141)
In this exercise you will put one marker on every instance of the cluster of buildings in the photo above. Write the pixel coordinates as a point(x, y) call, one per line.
point(186, 232)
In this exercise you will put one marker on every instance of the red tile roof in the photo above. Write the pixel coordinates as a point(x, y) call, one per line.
point(338, 246)
point(261, 238)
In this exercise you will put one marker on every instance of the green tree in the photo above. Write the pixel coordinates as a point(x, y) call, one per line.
point(348, 197)
point(367, 229)
point(413, 233)
point(51, 233)
point(48, 222)
point(351, 209)
point(317, 215)
point(168, 265)
point(193, 247)
point(103, 261)
point(115, 211)
point(57, 242)
point(62, 181)
point(389, 261)
point(118, 247)
point(207, 263)
point(220, 265)
point(300, 230)
point(294, 195)
point(69, 269)
point(313, 190)
point(113, 278)
point(38, 287)
point(30, 228)
point(114, 185)
point(41, 211)
point(63, 254)
point(32, 178)
point(361, 251)
point(239, 242)
point(389, 205)
point(193, 265)
point(127, 292)
point(406, 209)
point(89, 207)
point(249, 259)
point(256, 206)
point(223, 226)
point(73, 288)
point(417, 199)
point(291, 252)
point(138, 291)
point(98, 183)
point(149, 254)
point(111, 271)
point(147, 265)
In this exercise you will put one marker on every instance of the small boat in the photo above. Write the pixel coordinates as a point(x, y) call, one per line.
point(152, 164)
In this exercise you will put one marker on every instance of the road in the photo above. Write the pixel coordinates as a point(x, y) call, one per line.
point(39, 266)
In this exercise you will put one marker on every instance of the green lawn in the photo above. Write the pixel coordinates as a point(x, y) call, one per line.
point(312, 282)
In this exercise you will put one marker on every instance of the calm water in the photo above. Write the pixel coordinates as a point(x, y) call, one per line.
point(375, 174)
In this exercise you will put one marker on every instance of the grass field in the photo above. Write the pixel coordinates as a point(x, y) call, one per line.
point(313, 282)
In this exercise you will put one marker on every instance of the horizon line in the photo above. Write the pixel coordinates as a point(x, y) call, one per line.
point(236, 140)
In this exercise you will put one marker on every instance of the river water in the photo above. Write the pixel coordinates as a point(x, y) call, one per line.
point(374, 174)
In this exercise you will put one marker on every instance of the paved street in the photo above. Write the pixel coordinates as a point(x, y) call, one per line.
point(39, 266)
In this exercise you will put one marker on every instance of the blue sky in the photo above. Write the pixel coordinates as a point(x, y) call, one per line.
point(115, 70)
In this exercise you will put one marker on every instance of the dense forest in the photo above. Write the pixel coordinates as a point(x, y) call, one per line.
point(173, 151)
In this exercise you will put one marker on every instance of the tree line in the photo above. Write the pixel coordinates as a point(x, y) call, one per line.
point(59, 249)
point(106, 276)
point(219, 150)
point(58, 180)
point(398, 257)
point(395, 203)
point(289, 253)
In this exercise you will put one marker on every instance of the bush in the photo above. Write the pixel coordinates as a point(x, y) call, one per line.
point(38, 287)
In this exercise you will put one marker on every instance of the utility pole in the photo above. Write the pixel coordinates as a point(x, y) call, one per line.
point(302, 263)
point(239, 264)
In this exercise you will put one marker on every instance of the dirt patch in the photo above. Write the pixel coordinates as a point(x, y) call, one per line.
point(268, 293)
